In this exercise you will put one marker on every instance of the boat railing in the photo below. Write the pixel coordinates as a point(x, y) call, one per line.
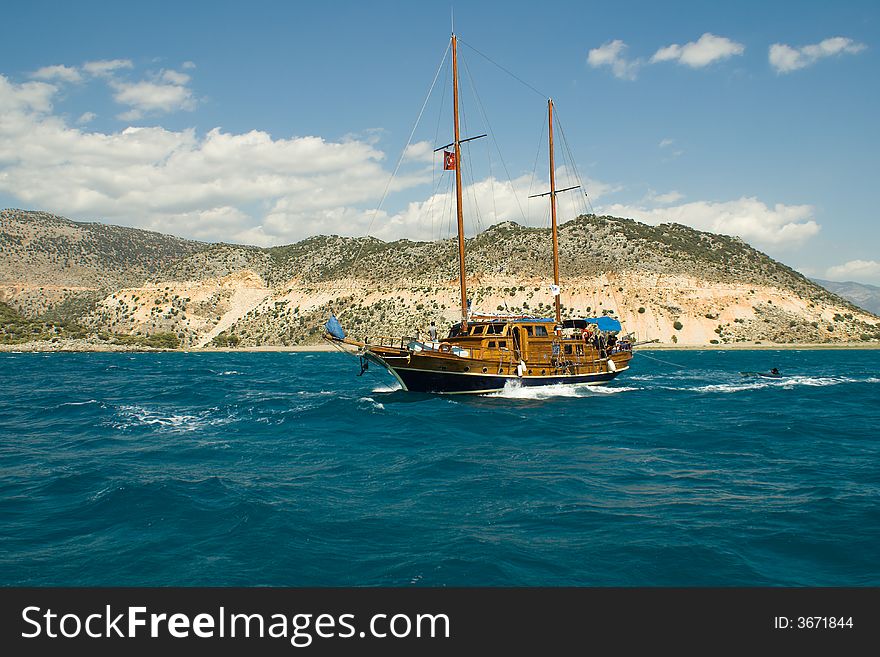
point(392, 342)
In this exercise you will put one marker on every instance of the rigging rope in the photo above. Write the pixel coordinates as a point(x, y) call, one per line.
point(513, 75)
point(535, 165)
point(577, 174)
point(660, 360)
point(494, 141)
point(402, 154)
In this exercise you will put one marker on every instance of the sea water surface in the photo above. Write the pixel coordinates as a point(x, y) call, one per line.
point(288, 469)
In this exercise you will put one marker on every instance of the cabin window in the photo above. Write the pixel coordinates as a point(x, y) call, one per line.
point(530, 330)
point(485, 369)
point(477, 330)
point(491, 344)
point(541, 331)
point(502, 344)
point(580, 350)
point(467, 369)
point(568, 348)
point(495, 329)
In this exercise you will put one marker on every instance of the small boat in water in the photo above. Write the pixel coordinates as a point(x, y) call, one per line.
point(772, 374)
point(485, 352)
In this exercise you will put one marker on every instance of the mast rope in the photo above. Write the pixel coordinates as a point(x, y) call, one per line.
point(488, 125)
point(434, 160)
point(402, 155)
point(513, 75)
point(577, 174)
point(537, 155)
point(467, 168)
point(660, 360)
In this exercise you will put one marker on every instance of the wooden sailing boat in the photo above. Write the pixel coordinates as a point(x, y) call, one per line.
point(484, 353)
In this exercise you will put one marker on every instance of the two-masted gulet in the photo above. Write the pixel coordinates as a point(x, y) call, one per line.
point(485, 353)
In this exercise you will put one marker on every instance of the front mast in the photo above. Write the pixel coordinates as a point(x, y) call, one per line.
point(458, 201)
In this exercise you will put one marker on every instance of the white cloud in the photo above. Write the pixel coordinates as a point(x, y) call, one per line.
point(665, 143)
point(866, 270)
point(421, 151)
point(748, 218)
point(27, 97)
point(86, 117)
point(663, 199)
point(707, 49)
point(188, 65)
point(611, 54)
point(174, 77)
point(254, 188)
point(247, 187)
point(219, 186)
point(145, 96)
point(58, 72)
point(106, 67)
point(785, 59)
point(130, 115)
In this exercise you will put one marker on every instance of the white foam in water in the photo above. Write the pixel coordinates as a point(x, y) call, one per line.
point(82, 403)
point(389, 388)
point(137, 416)
point(311, 393)
point(726, 387)
point(377, 405)
point(786, 383)
point(515, 390)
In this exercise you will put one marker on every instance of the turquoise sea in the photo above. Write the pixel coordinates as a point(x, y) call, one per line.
point(288, 469)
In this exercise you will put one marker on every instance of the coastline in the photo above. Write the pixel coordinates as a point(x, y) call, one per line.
point(82, 346)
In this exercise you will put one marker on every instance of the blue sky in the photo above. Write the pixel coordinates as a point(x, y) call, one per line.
point(266, 122)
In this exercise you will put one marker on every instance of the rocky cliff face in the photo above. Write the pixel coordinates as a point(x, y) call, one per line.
point(667, 282)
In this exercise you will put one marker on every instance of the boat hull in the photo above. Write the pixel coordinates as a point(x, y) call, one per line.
point(416, 380)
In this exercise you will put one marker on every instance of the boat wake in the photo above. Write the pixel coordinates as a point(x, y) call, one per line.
point(515, 390)
point(785, 383)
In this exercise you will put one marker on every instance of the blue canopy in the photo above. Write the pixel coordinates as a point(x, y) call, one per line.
point(604, 323)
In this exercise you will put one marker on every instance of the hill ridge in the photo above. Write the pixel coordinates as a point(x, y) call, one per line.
point(119, 281)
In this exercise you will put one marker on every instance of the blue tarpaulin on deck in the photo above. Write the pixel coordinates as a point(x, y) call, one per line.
point(604, 323)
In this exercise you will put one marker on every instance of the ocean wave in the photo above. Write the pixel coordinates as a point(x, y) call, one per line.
point(379, 406)
point(132, 417)
point(82, 403)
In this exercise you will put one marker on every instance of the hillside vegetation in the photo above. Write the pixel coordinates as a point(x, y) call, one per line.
point(129, 287)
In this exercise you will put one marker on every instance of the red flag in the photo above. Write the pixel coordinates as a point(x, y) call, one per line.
point(448, 161)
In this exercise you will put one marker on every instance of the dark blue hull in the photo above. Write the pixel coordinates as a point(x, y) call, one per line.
point(459, 382)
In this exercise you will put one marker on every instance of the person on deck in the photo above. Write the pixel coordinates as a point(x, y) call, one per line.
point(432, 332)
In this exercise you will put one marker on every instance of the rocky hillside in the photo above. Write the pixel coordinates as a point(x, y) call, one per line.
point(671, 283)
